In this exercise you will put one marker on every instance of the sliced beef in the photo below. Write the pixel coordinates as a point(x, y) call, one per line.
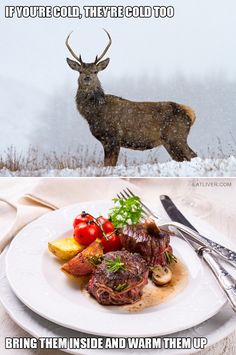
point(147, 240)
point(119, 287)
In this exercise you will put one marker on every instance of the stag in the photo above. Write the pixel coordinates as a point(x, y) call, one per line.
point(117, 122)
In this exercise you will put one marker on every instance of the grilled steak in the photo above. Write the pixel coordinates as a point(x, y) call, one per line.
point(122, 286)
point(147, 240)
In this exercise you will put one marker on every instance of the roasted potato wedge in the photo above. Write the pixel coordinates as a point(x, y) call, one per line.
point(65, 249)
point(85, 262)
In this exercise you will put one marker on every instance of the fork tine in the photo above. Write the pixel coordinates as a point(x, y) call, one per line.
point(124, 197)
point(131, 193)
point(144, 206)
point(126, 193)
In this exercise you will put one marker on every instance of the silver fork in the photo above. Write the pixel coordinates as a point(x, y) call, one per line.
point(224, 253)
point(225, 279)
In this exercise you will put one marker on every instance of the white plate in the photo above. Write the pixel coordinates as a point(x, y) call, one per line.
point(214, 329)
point(35, 278)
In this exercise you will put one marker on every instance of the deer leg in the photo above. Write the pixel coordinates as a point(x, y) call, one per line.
point(174, 138)
point(111, 155)
point(179, 151)
point(189, 153)
point(174, 151)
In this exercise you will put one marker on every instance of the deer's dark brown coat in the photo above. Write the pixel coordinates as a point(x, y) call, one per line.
point(117, 122)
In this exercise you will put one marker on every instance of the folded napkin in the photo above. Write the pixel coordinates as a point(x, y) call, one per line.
point(23, 200)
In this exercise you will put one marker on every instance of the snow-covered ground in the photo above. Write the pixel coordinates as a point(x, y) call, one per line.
point(196, 167)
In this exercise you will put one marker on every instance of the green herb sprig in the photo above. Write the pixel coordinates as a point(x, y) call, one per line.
point(120, 287)
point(170, 257)
point(126, 211)
point(95, 260)
point(114, 265)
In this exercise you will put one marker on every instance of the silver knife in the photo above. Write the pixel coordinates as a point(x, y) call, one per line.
point(176, 216)
point(225, 280)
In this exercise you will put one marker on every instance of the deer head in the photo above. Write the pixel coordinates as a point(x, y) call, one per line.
point(88, 71)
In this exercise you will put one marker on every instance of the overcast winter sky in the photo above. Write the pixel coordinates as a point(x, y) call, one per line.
point(198, 41)
point(189, 59)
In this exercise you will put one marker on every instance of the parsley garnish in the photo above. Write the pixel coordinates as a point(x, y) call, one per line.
point(120, 287)
point(95, 260)
point(170, 257)
point(114, 265)
point(126, 211)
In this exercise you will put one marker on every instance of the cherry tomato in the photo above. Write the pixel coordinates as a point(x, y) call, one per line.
point(102, 219)
point(112, 243)
point(86, 233)
point(106, 225)
point(83, 217)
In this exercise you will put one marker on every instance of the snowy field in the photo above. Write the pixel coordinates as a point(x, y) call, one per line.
point(196, 167)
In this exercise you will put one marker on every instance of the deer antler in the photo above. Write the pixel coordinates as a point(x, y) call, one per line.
point(97, 59)
point(79, 59)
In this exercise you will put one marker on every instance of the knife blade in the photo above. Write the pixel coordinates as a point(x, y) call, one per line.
point(176, 216)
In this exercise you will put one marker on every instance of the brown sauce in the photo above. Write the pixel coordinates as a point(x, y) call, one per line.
point(154, 295)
